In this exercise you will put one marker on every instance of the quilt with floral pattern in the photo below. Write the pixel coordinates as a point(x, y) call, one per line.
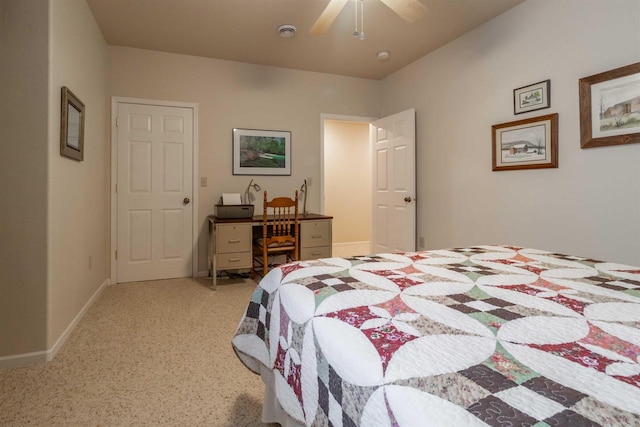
point(476, 336)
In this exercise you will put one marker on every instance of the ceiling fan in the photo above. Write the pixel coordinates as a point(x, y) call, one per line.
point(409, 10)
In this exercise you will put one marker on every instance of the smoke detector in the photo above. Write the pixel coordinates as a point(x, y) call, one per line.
point(383, 56)
point(287, 31)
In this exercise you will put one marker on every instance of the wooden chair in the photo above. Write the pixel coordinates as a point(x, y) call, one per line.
point(280, 231)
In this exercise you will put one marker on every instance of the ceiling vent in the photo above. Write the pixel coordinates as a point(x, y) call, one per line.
point(287, 31)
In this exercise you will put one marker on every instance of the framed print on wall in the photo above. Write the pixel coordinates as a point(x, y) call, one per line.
point(533, 97)
point(526, 144)
point(610, 107)
point(261, 152)
point(71, 126)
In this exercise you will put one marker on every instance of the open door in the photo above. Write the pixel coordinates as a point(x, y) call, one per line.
point(393, 150)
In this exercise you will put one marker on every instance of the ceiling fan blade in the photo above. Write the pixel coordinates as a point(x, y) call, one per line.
point(327, 17)
point(409, 10)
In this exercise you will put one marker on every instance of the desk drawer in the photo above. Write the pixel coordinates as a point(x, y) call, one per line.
point(234, 238)
point(315, 233)
point(233, 260)
point(315, 253)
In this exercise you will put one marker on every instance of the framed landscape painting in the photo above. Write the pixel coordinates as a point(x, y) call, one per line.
point(610, 107)
point(261, 152)
point(526, 144)
point(531, 98)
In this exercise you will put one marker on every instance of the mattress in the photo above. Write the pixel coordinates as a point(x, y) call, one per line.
point(484, 335)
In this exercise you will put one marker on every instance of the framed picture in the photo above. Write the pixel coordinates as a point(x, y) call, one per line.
point(526, 144)
point(71, 126)
point(610, 107)
point(261, 152)
point(531, 98)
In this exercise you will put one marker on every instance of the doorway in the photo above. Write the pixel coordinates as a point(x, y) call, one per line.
point(368, 164)
point(346, 182)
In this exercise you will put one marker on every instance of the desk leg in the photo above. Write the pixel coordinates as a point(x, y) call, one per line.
point(214, 274)
point(212, 254)
point(214, 269)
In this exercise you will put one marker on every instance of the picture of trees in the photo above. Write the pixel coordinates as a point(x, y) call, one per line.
point(262, 151)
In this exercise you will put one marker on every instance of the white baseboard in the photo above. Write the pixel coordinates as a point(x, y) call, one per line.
point(51, 353)
point(348, 249)
point(48, 355)
point(24, 359)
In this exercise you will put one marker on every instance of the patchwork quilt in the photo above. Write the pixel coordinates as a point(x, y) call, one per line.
point(486, 335)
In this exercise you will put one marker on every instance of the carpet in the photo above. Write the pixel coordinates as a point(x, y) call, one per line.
point(145, 353)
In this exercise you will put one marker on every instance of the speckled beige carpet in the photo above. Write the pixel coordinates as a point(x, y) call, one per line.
point(146, 353)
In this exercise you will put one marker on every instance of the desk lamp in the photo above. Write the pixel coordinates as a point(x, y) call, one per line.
point(248, 195)
point(303, 190)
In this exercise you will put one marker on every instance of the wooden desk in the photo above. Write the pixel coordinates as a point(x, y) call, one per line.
point(231, 240)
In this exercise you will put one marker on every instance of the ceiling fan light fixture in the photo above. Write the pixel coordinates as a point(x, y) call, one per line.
point(409, 10)
point(359, 30)
point(287, 31)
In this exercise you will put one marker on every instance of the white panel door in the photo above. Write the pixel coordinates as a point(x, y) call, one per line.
point(393, 141)
point(154, 191)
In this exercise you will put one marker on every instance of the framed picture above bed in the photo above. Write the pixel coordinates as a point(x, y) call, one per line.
point(526, 144)
point(610, 107)
point(261, 152)
point(533, 97)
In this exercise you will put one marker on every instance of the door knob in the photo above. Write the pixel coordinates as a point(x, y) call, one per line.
point(407, 199)
point(186, 200)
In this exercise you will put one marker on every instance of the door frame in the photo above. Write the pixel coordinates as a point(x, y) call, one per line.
point(115, 100)
point(337, 117)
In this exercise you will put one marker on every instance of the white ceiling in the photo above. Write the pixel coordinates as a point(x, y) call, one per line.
point(246, 31)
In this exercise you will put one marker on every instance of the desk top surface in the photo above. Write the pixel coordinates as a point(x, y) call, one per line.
point(259, 219)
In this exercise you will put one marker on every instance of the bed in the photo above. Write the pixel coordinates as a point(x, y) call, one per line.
point(484, 335)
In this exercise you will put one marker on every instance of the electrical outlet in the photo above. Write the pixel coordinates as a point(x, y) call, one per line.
point(421, 241)
point(309, 181)
point(203, 181)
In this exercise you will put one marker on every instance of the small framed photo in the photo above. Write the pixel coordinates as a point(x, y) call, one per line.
point(526, 144)
point(261, 152)
point(71, 126)
point(531, 98)
point(610, 107)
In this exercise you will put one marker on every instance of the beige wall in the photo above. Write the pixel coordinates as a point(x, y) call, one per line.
point(78, 191)
point(347, 180)
point(590, 205)
point(231, 95)
point(24, 28)
point(55, 213)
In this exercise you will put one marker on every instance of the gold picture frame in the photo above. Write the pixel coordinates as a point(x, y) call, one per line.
point(610, 107)
point(71, 126)
point(525, 144)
